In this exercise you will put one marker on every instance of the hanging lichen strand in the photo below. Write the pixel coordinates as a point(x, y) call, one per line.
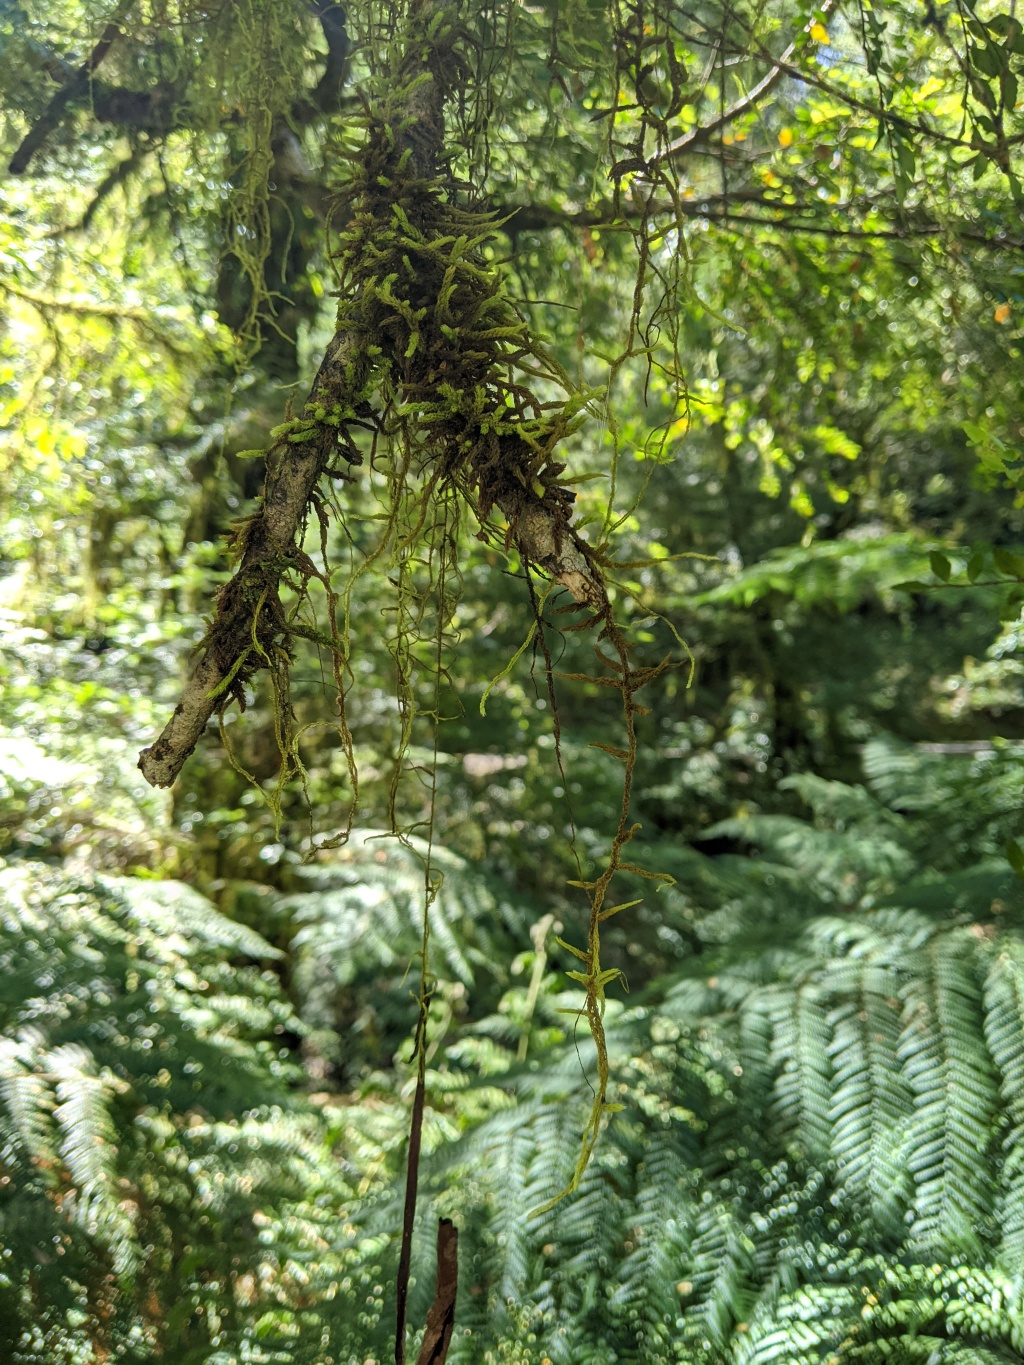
point(434, 361)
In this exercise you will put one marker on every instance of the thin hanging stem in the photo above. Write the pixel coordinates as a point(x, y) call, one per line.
point(411, 1179)
point(430, 889)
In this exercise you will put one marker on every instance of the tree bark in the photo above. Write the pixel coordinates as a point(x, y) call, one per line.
point(441, 1317)
point(271, 544)
point(249, 625)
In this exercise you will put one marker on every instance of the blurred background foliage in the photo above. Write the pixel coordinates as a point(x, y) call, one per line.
point(205, 1062)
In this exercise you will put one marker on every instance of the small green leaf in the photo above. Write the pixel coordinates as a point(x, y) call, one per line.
point(614, 909)
point(1015, 856)
point(609, 974)
point(1009, 563)
point(570, 949)
point(940, 565)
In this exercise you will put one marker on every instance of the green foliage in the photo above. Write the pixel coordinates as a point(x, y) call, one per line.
point(820, 1148)
point(359, 926)
point(160, 1187)
point(819, 1157)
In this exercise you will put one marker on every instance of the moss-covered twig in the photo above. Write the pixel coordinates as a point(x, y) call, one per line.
point(267, 543)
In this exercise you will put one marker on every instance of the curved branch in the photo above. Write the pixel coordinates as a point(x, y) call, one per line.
point(328, 90)
point(269, 547)
point(743, 106)
point(891, 116)
point(75, 88)
point(163, 108)
point(46, 305)
point(718, 208)
point(118, 175)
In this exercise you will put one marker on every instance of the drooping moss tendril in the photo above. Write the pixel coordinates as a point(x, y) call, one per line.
point(437, 395)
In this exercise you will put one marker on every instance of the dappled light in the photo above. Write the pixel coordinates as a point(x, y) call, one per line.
point(511, 682)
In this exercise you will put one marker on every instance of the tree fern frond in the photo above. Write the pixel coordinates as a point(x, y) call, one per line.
point(948, 1067)
point(721, 1271)
point(653, 1250)
point(800, 1328)
point(902, 776)
point(359, 929)
point(802, 1096)
point(374, 894)
point(838, 865)
point(114, 1037)
point(26, 1107)
point(169, 908)
point(871, 1100)
point(1004, 1034)
point(87, 1139)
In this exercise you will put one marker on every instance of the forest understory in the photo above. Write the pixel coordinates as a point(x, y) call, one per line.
point(511, 682)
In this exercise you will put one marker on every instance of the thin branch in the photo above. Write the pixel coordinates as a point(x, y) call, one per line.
point(717, 209)
point(114, 177)
point(532, 217)
point(903, 233)
point(46, 304)
point(890, 116)
point(783, 66)
point(76, 87)
point(742, 106)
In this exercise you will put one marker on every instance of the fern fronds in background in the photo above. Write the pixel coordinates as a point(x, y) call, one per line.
point(821, 1153)
point(161, 1189)
point(359, 926)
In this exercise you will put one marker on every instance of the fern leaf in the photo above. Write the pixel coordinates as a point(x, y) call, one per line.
point(1004, 1033)
point(871, 1100)
point(948, 1067)
point(87, 1141)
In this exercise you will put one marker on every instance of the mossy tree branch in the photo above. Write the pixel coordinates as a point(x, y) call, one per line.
point(495, 455)
point(431, 354)
point(268, 543)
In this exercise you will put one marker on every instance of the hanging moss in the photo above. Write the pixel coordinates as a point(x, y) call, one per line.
point(464, 410)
